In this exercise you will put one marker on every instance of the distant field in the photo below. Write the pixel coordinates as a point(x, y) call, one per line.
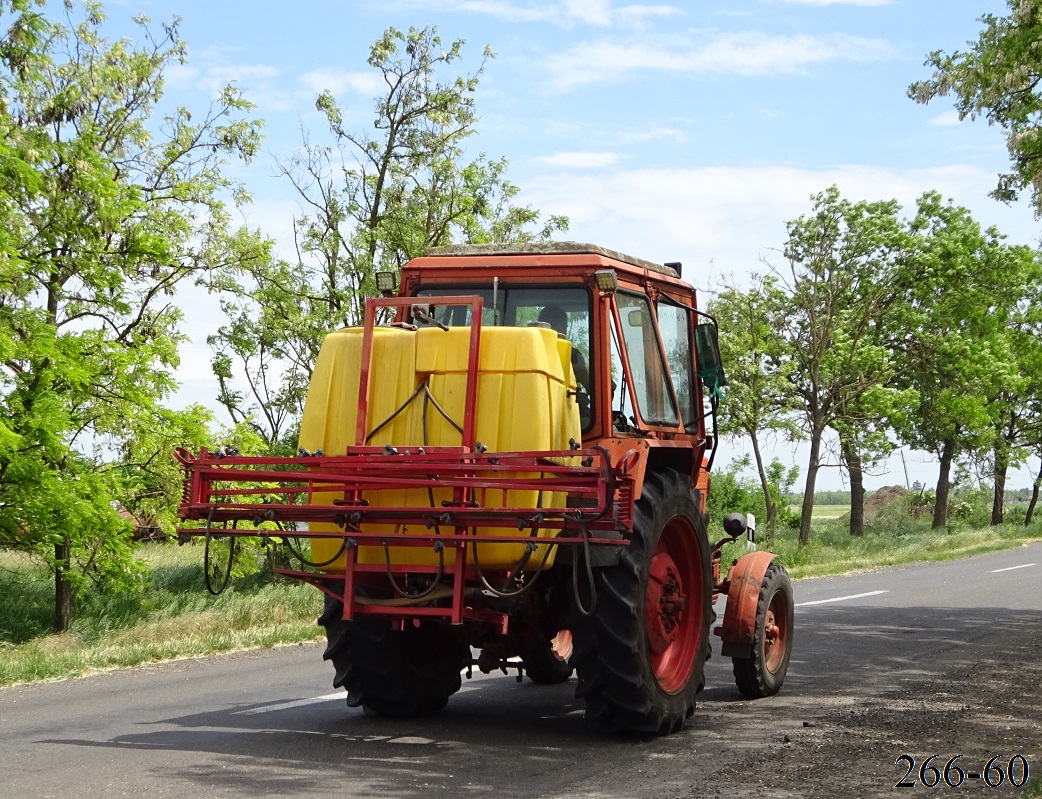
point(829, 511)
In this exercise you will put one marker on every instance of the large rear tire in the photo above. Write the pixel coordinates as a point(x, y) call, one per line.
point(640, 656)
point(411, 672)
point(763, 673)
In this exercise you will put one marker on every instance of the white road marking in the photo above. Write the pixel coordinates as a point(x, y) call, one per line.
point(287, 705)
point(839, 598)
point(1011, 568)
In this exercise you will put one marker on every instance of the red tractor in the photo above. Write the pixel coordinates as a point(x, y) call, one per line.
point(511, 457)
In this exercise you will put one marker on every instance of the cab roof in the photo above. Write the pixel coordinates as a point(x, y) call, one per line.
point(545, 248)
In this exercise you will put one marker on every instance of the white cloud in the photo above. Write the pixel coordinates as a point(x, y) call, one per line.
point(242, 74)
point(719, 220)
point(838, 2)
point(946, 119)
point(257, 80)
point(592, 12)
point(567, 14)
point(748, 53)
point(337, 81)
point(580, 160)
point(653, 134)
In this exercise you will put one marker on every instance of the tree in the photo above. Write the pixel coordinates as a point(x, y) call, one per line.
point(1016, 410)
point(105, 212)
point(372, 200)
point(755, 405)
point(842, 260)
point(962, 286)
point(998, 78)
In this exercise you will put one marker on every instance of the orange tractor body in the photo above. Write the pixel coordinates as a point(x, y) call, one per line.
point(512, 455)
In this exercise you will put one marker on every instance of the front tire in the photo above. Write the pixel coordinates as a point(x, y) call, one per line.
point(640, 656)
point(763, 673)
point(411, 672)
point(551, 663)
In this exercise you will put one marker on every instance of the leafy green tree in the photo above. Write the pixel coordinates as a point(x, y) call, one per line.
point(371, 200)
point(104, 212)
point(756, 394)
point(734, 493)
point(842, 260)
point(1016, 410)
point(962, 285)
point(1036, 488)
point(998, 78)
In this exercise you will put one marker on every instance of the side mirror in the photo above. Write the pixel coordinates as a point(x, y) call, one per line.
point(735, 524)
point(710, 365)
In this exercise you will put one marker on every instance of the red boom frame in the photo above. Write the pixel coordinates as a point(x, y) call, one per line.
point(218, 489)
point(223, 489)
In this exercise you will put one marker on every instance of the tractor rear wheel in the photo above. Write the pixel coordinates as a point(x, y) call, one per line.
point(411, 672)
point(640, 656)
point(763, 673)
point(551, 663)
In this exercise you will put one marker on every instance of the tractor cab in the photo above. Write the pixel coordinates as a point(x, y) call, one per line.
point(638, 339)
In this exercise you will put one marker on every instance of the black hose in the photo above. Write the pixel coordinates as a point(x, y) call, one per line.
point(402, 407)
point(439, 547)
point(206, 559)
point(550, 544)
point(589, 576)
point(287, 540)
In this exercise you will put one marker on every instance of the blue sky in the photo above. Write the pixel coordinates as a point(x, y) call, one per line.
point(685, 131)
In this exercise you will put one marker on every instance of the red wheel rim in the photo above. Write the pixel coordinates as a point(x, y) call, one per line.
point(776, 632)
point(673, 605)
point(561, 645)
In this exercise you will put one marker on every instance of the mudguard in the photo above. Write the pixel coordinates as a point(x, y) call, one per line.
point(744, 580)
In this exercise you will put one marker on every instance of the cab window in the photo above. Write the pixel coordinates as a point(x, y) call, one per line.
point(648, 370)
point(565, 309)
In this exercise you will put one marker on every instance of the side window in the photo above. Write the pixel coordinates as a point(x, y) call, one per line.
point(674, 322)
point(650, 382)
point(622, 407)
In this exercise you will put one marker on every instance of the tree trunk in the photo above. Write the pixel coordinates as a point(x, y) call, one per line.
point(940, 505)
point(1034, 497)
point(64, 595)
point(857, 489)
point(999, 495)
point(808, 490)
point(765, 486)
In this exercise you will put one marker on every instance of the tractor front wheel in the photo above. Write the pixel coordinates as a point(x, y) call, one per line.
point(763, 673)
point(551, 663)
point(640, 656)
point(409, 672)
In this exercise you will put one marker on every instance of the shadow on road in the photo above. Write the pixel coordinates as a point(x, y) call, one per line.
point(510, 739)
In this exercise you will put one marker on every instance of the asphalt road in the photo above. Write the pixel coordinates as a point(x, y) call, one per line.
point(910, 641)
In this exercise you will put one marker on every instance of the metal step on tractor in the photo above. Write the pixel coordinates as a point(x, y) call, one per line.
point(514, 462)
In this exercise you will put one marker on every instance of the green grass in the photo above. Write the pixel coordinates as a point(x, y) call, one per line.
point(175, 617)
point(890, 542)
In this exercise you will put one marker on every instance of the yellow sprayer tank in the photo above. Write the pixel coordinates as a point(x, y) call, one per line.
point(525, 402)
